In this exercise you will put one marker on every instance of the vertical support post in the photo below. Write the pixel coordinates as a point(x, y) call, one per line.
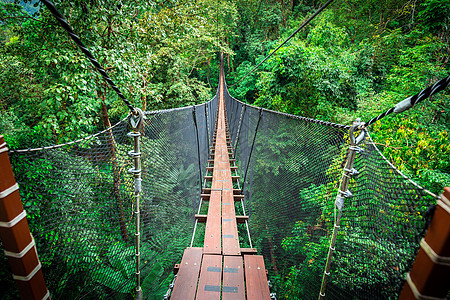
point(198, 147)
point(239, 129)
point(342, 194)
point(429, 276)
point(136, 122)
point(251, 149)
point(15, 234)
point(207, 127)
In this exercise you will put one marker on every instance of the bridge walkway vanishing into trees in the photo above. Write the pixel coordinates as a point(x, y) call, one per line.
point(217, 270)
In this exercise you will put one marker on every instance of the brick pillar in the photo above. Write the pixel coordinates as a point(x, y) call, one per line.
point(429, 277)
point(16, 237)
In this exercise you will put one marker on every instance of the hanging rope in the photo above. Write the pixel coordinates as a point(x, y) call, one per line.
point(286, 40)
point(413, 100)
point(83, 49)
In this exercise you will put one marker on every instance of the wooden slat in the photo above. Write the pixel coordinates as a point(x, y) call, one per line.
point(241, 219)
point(212, 242)
point(230, 238)
point(233, 287)
point(186, 282)
point(256, 278)
point(209, 285)
point(245, 251)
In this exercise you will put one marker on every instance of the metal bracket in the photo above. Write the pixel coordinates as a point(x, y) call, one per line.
point(134, 171)
point(346, 194)
point(339, 202)
point(352, 172)
point(137, 120)
point(353, 129)
point(134, 154)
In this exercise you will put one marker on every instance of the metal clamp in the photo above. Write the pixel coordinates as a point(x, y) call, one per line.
point(133, 154)
point(352, 172)
point(133, 134)
point(356, 148)
point(346, 194)
point(356, 127)
point(134, 171)
point(137, 120)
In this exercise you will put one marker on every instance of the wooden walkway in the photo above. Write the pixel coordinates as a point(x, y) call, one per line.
point(221, 269)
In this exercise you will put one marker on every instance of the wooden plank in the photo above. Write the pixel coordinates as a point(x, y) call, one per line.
point(256, 278)
point(209, 285)
point(201, 218)
point(212, 242)
point(246, 251)
point(233, 287)
point(230, 238)
point(241, 219)
point(186, 282)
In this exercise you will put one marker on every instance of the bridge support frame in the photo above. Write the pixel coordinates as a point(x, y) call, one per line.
point(343, 193)
point(136, 123)
point(429, 276)
point(15, 234)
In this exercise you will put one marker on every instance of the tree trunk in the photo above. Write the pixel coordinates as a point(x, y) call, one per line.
point(116, 168)
point(272, 253)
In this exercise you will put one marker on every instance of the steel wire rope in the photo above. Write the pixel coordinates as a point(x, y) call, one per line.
point(286, 40)
point(413, 100)
point(51, 7)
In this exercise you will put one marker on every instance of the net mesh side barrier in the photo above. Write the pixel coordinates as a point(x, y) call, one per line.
point(292, 167)
point(79, 200)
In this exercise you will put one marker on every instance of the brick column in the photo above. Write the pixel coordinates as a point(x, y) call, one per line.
point(429, 277)
point(16, 237)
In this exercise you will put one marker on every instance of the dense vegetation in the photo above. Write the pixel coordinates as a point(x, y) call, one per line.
point(356, 59)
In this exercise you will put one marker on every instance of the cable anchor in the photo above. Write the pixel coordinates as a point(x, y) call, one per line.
point(136, 120)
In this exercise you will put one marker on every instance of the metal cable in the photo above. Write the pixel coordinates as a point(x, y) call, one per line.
point(413, 100)
point(86, 52)
point(286, 40)
point(68, 143)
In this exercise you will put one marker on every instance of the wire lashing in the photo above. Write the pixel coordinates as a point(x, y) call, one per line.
point(413, 100)
point(86, 52)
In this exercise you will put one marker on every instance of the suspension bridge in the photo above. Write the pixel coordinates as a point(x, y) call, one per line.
point(228, 197)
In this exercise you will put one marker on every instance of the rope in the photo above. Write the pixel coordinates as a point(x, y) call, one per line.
point(413, 100)
point(286, 40)
point(89, 55)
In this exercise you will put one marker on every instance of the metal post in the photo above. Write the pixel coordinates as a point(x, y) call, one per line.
point(136, 122)
point(342, 194)
point(19, 245)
